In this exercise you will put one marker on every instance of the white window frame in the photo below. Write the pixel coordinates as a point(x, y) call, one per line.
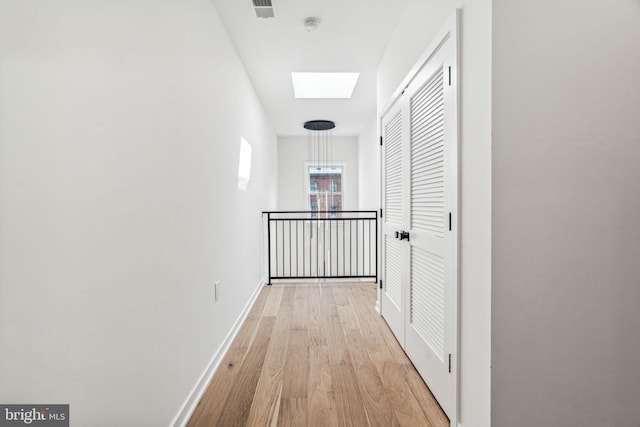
point(307, 185)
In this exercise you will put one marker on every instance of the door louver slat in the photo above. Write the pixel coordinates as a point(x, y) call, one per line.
point(427, 299)
point(427, 157)
point(393, 175)
point(393, 263)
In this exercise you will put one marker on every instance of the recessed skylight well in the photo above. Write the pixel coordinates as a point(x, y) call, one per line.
point(324, 85)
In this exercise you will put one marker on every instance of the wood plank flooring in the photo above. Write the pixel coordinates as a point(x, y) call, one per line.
point(316, 355)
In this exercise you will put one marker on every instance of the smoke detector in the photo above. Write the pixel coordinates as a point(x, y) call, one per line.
point(311, 24)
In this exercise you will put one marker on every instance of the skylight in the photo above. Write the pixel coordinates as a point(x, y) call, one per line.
point(324, 85)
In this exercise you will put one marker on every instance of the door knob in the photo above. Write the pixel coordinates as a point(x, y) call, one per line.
point(404, 235)
point(397, 235)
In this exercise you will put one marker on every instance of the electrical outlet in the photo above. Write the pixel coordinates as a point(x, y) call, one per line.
point(216, 291)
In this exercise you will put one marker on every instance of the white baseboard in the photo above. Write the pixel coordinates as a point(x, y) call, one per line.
point(186, 410)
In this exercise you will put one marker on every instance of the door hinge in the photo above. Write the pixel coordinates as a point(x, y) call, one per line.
point(449, 362)
point(449, 221)
point(380, 284)
point(381, 141)
point(380, 212)
point(449, 76)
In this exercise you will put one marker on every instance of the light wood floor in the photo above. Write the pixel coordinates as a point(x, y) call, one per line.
point(317, 355)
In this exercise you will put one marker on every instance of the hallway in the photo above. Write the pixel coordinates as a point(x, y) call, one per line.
point(141, 141)
point(316, 354)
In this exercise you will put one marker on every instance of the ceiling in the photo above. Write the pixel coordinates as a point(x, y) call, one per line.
point(351, 37)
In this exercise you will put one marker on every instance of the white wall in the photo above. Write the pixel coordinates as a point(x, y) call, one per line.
point(420, 23)
point(566, 203)
point(120, 127)
point(369, 166)
point(292, 154)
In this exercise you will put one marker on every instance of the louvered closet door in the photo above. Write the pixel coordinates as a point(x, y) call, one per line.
point(419, 196)
point(429, 317)
point(395, 216)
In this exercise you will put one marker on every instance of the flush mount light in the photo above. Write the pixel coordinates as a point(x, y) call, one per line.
point(324, 85)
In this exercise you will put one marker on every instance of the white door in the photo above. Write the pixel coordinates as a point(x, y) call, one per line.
point(394, 200)
point(432, 288)
point(425, 260)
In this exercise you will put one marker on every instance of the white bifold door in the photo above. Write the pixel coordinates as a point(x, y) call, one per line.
point(419, 238)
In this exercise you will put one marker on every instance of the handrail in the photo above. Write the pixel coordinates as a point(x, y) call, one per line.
point(308, 248)
point(302, 212)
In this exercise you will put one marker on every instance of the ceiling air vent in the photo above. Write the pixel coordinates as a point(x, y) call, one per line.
point(264, 8)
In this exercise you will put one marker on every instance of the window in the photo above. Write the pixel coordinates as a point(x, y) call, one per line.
point(244, 167)
point(325, 189)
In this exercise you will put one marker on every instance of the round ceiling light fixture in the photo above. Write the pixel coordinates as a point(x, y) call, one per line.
point(319, 125)
point(311, 24)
